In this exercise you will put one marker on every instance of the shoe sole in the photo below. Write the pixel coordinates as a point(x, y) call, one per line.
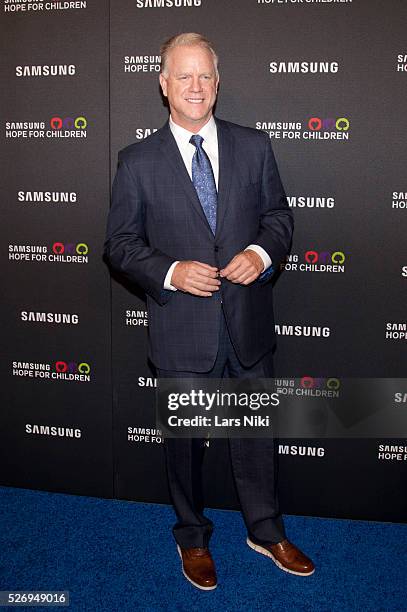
point(198, 586)
point(267, 553)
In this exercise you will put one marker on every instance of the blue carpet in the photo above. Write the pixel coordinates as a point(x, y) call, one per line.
point(118, 556)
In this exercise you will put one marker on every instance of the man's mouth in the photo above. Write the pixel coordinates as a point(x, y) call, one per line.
point(195, 100)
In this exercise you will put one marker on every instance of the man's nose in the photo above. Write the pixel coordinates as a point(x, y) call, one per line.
point(196, 84)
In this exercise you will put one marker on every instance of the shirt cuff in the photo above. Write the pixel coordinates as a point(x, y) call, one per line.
point(168, 276)
point(265, 257)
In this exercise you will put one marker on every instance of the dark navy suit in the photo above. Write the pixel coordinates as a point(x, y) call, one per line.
point(155, 219)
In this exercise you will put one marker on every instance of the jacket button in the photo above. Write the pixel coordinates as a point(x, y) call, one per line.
point(216, 248)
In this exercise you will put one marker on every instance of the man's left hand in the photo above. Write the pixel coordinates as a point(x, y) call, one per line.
point(244, 268)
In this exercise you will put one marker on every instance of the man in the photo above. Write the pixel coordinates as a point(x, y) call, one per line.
point(199, 220)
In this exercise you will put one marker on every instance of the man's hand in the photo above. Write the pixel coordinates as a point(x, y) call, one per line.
point(244, 268)
point(196, 278)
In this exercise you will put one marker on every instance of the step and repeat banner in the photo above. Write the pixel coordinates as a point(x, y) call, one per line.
point(56, 414)
point(326, 80)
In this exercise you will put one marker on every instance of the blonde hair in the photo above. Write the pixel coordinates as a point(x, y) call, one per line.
point(186, 39)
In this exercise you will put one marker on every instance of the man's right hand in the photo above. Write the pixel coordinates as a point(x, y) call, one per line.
point(196, 278)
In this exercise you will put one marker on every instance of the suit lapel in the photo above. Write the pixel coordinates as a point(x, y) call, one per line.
point(173, 157)
point(225, 146)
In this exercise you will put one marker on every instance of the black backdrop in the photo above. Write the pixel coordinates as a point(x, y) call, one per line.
point(327, 81)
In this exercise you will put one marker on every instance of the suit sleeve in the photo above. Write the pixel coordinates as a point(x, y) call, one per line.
point(126, 247)
point(276, 219)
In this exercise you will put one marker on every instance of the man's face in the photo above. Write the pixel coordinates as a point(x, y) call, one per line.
point(190, 84)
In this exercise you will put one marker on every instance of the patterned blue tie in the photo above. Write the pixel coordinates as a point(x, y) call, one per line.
point(204, 181)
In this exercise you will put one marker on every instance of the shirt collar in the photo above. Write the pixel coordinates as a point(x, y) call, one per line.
point(208, 131)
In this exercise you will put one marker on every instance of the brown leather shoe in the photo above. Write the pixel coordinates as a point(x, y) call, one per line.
point(286, 556)
point(198, 567)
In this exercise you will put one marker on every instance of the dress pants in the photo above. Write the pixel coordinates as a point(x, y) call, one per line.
point(254, 465)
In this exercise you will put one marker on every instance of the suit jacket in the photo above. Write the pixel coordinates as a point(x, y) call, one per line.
point(156, 218)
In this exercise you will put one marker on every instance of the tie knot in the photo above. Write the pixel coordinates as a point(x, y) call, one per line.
point(196, 140)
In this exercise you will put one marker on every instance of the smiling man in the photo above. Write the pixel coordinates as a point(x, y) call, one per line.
point(190, 82)
point(199, 220)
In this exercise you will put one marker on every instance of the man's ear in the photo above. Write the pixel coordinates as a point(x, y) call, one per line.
point(163, 83)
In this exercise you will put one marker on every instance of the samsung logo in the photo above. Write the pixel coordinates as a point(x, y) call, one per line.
point(145, 381)
point(60, 318)
point(47, 196)
point(387, 448)
point(46, 70)
point(304, 67)
point(303, 330)
point(167, 3)
point(51, 430)
point(310, 202)
point(303, 451)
